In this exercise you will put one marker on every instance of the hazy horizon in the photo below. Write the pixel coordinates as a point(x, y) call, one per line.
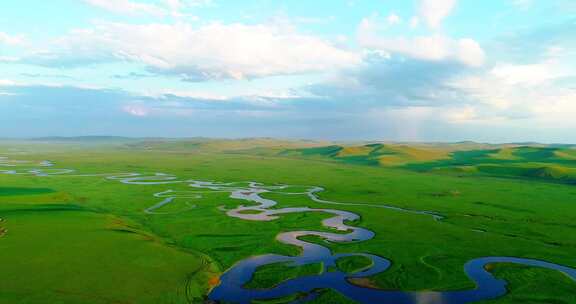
point(319, 140)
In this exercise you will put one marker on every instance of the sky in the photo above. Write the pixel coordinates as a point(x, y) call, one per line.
point(390, 70)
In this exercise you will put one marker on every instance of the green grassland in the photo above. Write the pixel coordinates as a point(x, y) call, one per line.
point(87, 240)
point(551, 163)
point(57, 251)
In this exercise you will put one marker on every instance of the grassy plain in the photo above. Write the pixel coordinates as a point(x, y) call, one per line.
point(85, 239)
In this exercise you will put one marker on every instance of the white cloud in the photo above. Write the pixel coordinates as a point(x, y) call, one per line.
point(431, 86)
point(6, 82)
point(414, 22)
point(370, 24)
point(529, 91)
point(435, 47)
point(511, 82)
point(372, 35)
point(433, 12)
point(8, 59)
point(469, 52)
point(560, 110)
point(529, 74)
point(10, 39)
point(377, 23)
point(393, 19)
point(460, 114)
point(136, 110)
point(214, 51)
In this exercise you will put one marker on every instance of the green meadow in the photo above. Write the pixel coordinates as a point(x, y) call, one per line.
point(86, 239)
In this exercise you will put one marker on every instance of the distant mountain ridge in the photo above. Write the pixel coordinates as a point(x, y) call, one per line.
point(84, 138)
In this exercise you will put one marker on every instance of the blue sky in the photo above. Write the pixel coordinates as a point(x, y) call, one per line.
point(422, 70)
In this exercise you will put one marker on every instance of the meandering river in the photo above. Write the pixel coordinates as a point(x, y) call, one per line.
point(232, 283)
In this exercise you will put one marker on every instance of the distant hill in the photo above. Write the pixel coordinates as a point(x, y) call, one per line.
point(260, 146)
point(534, 161)
point(555, 162)
point(384, 154)
point(81, 139)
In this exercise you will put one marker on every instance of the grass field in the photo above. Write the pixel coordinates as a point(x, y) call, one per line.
point(70, 239)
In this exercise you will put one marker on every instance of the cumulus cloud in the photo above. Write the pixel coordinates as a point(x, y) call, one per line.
point(454, 92)
point(10, 39)
point(373, 34)
point(213, 51)
point(393, 19)
point(377, 23)
point(537, 90)
point(414, 22)
point(6, 82)
point(433, 12)
point(8, 59)
point(136, 110)
point(529, 74)
point(434, 47)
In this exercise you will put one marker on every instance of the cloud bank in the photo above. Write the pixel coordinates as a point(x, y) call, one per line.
point(213, 51)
